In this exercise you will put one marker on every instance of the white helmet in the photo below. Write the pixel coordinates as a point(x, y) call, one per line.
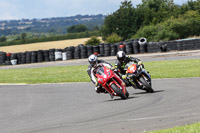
point(92, 59)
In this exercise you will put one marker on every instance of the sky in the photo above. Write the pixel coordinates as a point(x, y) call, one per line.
point(30, 9)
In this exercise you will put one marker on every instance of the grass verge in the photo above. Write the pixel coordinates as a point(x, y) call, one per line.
point(158, 69)
point(193, 128)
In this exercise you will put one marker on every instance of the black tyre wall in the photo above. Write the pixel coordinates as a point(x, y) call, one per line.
point(46, 55)
point(129, 47)
point(28, 57)
point(83, 52)
point(113, 50)
point(136, 48)
point(33, 56)
point(107, 49)
point(77, 52)
point(52, 54)
point(153, 47)
point(101, 49)
point(2, 58)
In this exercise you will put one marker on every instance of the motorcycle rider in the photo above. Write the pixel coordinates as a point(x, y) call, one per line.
point(94, 61)
point(122, 60)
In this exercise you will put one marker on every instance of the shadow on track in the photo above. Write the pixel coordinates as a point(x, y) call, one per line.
point(139, 93)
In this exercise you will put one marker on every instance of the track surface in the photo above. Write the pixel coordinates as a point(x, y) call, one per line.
point(76, 108)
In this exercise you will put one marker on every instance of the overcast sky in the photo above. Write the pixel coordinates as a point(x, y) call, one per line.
point(29, 9)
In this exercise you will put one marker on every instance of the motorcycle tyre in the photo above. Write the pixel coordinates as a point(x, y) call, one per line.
point(118, 91)
point(148, 87)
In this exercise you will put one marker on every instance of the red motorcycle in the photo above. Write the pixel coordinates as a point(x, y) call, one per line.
point(111, 82)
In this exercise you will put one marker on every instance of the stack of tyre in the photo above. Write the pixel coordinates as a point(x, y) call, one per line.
point(101, 49)
point(84, 53)
point(129, 47)
point(28, 57)
point(51, 54)
point(46, 55)
point(136, 47)
point(70, 52)
point(13, 58)
point(163, 46)
point(171, 45)
point(153, 47)
point(2, 57)
point(113, 49)
point(197, 42)
point(190, 44)
point(143, 45)
point(77, 52)
point(107, 49)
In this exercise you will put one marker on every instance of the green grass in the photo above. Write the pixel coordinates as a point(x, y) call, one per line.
point(194, 128)
point(158, 69)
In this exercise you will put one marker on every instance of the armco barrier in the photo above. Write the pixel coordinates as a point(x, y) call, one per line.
point(81, 51)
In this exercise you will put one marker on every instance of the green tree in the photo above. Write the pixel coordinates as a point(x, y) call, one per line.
point(113, 38)
point(93, 41)
point(121, 22)
point(3, 39)
point(77, 28)
point(23, 37)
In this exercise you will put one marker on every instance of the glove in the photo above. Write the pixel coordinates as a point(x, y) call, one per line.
point(124, 76)
point(139, 62)
point(96, 84)
point(112, 68)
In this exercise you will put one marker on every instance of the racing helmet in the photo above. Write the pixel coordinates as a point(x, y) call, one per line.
point(121, 56)
point(92, 59)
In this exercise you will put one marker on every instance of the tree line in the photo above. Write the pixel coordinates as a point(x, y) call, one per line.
point(154, 19)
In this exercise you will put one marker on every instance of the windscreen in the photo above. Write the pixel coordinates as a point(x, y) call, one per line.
point(100, 71)
point(128, 64)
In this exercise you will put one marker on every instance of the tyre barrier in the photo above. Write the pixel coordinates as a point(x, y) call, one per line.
point(136, 47)
point(143, 45)
point(113, 50)
point(89, 50)
point(58, 54)
point(46, 55)
point(23, 58)
point(64, 56)
point(70, 52)
point(171, 45)
point(28, 57)
point(107, 49)
point(2, 58)
point(40, 56)
point(153, 47)
point(81, 51)
point(51, 54)
point(101, 49)
point(96, 49)
point(33, 57)
point(129, 47)
point(84, 53)
point(77, 52)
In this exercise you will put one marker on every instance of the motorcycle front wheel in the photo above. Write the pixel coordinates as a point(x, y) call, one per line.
point(118, 91)
point(147, 86)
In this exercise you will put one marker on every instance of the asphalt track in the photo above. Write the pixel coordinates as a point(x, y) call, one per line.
point(76, 108)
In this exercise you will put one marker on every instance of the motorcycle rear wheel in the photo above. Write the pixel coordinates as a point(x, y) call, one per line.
point(118, 91)
point(147, 86)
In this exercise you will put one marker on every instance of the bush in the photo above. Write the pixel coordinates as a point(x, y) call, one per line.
point(93, 41)
point(174, 28)
point(113, 38)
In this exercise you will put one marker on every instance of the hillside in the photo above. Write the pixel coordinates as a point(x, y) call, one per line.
point(56, 25)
